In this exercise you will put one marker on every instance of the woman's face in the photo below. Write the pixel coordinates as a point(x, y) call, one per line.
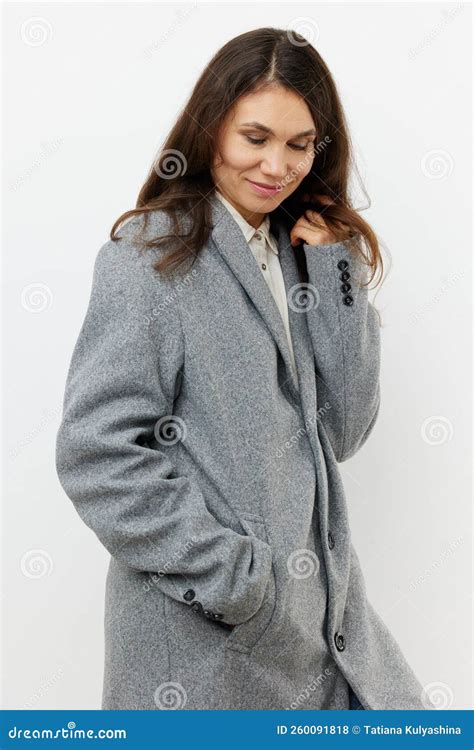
point(267, 138)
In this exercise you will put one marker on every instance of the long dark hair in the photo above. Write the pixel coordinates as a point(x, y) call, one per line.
point(180, 182)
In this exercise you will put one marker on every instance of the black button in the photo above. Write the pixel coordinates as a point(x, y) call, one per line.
point(339, 641)
point(331, 541)
point(348, 300)
point(217, 616)
point(207, 613)
point(346, 287)
point(345, 275)
point(189, 595)
point(197, 606)
point(342, 264)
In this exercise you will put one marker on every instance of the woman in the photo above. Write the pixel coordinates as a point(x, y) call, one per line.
point(228, 360)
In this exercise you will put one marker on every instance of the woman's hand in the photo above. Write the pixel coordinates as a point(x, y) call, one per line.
point(311, 227)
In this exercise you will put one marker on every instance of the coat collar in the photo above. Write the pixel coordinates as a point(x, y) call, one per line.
point(231, 243)
point(247, 229)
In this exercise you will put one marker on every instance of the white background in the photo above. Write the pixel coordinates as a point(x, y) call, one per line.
point(85, 112)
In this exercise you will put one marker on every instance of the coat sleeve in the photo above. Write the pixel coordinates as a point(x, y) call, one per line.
point(345, 335)
point(121, 380)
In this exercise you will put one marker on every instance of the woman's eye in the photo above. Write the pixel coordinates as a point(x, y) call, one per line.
point(259, 141)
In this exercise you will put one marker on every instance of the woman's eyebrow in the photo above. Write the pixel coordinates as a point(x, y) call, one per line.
point(259, 125)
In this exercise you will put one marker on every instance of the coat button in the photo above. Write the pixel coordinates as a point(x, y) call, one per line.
point(345, 275)
point(189, 595)
point(197, 606)
point(331, 541)
point(342, 264)
point(207, 613)
point(346, 287)
point(339, 641)
point(348, 300)
point(217, 616)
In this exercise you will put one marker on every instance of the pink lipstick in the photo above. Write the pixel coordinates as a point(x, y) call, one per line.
point(263, 189)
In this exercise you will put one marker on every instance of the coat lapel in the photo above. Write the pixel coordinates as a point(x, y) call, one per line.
point(302, 346)
point(233, 247)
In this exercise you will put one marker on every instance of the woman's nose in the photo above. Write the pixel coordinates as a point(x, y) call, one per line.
point(274, 166)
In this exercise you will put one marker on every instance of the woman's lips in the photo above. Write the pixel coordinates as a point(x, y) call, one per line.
point(262, 190)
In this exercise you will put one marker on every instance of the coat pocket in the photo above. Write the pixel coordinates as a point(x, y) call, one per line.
point(245, 636)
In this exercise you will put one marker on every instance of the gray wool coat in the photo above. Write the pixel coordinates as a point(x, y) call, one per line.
point(211, 476)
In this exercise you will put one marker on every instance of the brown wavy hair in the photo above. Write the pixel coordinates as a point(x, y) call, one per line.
point(180, 181)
